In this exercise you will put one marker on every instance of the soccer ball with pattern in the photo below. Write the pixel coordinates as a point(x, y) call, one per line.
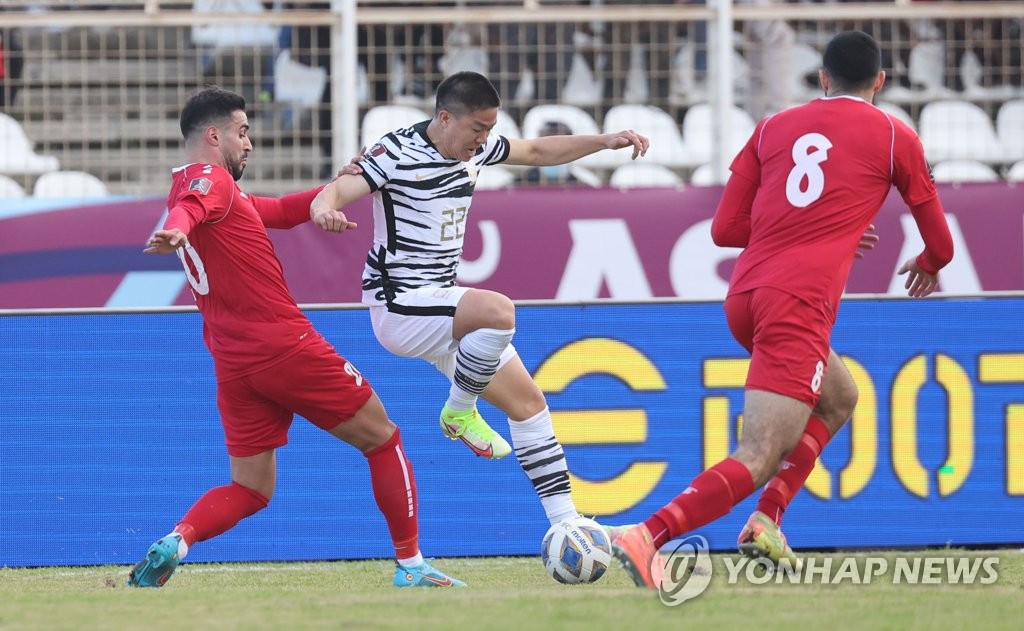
point(576, 551)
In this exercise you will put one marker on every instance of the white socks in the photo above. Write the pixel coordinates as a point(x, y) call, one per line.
point(542, 459)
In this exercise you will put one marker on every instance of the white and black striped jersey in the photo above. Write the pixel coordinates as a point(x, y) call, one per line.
point(420, 206)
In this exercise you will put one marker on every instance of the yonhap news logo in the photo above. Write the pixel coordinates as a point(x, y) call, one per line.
point(685, 573)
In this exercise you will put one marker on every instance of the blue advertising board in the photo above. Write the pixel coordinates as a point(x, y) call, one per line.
point(110, 431)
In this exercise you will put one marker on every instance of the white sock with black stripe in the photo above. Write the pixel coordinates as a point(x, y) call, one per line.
point(542, 459)
point(476, 361)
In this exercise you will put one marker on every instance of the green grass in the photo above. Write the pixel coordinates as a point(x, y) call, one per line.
point(504, 593)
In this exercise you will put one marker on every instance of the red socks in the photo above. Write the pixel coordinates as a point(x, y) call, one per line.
point(781, 489)
point(712, 494)
point(394, 488)
point(218, 511)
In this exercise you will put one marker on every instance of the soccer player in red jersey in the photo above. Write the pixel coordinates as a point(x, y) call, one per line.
point(269, 361)
point(803, 192)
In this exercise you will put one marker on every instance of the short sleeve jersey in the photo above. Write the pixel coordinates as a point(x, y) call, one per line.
point(420, 207)
point(249, 317)
point(823, 171)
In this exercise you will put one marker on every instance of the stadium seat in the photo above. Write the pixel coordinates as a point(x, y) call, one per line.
point(897, 112)
point(667, 146)
point(584, 175)
point(1016, 172)
point(492, 177)
point(384, 119)
point(9, 189)
point(957, 171)
point(697, 132)
point(578, 121)
point(643, 175)
point(704, 175)
point(507, 127)
point(958, 130)
point(69, 184)
point(1010, 129)
point(17, 156)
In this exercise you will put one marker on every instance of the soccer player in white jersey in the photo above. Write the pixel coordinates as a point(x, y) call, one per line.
point(422, 180)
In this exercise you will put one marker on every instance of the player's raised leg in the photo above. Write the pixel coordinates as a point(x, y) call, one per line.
point(761, 536)
point(773, 423)
point(484, 324)
point(539, 453)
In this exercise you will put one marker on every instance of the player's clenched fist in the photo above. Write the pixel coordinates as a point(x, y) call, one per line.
point(331, 220)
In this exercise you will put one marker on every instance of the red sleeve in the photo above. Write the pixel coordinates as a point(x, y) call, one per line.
point(910, 171)
point(938, 242)
point(731, 226)
point(185, 215)
point(287, 211)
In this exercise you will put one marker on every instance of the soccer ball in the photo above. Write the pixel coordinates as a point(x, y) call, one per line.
point(576, 551)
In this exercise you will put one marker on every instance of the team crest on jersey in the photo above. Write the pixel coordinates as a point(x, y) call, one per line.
point(201, 184)
point(377, 150)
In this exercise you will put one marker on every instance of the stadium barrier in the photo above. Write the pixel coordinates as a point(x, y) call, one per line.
point(565, 244)
point(110, 432)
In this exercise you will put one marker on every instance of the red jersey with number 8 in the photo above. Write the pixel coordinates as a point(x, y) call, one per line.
point(823, 171)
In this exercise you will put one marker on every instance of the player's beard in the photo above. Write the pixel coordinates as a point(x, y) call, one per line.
point(237, 168)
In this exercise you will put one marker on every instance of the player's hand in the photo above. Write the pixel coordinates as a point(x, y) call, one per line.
point(919, 282)
point(332, 220)
point(165, 241)
point(867, 242)
point(629, 138)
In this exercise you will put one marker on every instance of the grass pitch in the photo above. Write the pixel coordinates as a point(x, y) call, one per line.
point(504, 593)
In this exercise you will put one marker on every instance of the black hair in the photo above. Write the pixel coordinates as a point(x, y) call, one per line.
point(466, 92)
point(207, 106)
point(852, 61)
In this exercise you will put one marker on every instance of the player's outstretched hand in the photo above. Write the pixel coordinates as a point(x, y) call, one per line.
point(867, 242)
point(919, 282)
point(629, 138)
point(333, 221)
point(165, 241)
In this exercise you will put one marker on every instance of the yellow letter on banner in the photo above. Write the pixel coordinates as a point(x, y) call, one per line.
point(863, 435)
point(1008, 368)
point(582, 427)
point(720, 373)
point(905, 461)
point(960, 412)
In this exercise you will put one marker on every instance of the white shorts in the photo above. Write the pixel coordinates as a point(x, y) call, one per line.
point(419, 322)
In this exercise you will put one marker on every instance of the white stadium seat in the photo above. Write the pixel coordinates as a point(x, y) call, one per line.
point(507, 127)
point(667, 146)
point(9, 189)
point(17, 156)
point(69, 184)
point(1016, 172)
point(578, 121)
point(957, 171)
point(384, 119)
point(958, 130)
point(643, 175)
point(698, 135)
point(492, 177)
point(1010, 129)
point(896, 112)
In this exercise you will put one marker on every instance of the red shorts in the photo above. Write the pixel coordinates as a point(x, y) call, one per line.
point(257, 409)
point(788, 340)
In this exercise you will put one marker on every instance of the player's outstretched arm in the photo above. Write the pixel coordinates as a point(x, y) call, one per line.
point(165, 241)
point(325, 209)
point(551, 150)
